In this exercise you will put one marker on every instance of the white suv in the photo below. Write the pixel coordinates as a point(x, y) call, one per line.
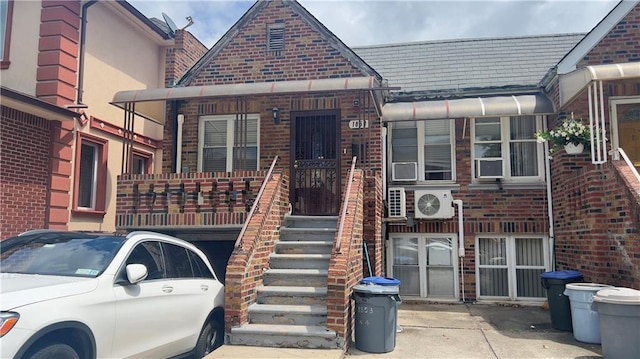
point(79, 295)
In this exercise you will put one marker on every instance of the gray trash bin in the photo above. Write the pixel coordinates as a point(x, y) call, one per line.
point(585, 321)
point(376, 317)
point(619, 316)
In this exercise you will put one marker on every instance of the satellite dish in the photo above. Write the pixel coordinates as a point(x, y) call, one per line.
point(172, 25)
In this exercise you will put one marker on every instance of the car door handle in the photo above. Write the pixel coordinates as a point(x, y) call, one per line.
point(167, 289)
point(204, 287)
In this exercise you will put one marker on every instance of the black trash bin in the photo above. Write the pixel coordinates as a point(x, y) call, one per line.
point(376, 314)
point(559, 304)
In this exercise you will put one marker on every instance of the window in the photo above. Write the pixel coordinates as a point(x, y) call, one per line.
point(6, 17)
point(141, 162)
point(426, 265)
point(150, 255)
point(228, 143)
point(506, 147)
point(90, 174)
point(430, 144)
point(510, 266)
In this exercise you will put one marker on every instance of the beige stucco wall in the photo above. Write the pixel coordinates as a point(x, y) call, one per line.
point(23, 52)
point(119, 56)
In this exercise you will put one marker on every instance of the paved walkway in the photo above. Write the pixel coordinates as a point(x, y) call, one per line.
point(454, 331)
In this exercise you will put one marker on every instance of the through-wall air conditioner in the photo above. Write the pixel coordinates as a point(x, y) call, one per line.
point(396, 202)
point(489, 168)
point(404, 171)
point(433, 204)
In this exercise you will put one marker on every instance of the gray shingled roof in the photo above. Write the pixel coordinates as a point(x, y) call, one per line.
point(453, 67)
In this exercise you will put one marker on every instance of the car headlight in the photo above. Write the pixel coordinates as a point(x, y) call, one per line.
point(7, 321)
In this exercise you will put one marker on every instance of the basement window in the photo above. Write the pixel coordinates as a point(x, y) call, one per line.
point(275, 39)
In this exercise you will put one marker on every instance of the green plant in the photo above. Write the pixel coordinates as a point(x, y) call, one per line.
point(571, 130)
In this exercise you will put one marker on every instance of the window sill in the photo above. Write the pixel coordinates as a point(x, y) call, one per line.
point(88, 213)
point(506, 185)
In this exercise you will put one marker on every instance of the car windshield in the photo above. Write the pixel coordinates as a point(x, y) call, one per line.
point(64, 254)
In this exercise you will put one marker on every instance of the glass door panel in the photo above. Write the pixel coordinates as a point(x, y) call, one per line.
point(406, 266)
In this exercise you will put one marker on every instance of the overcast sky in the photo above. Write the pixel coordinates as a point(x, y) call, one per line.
point(371, 22)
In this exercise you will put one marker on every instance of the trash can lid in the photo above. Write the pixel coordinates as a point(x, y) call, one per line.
point(618, 295)
point(380, 281)
point(586, 286)
point(561, 274)
point(375, 289)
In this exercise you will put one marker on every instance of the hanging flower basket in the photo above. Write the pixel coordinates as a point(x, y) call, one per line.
point(572, 133)
point(572, 149)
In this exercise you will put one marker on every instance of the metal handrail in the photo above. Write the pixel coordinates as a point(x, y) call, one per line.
point(629, 163)
point(255, 203)
point(346, 204)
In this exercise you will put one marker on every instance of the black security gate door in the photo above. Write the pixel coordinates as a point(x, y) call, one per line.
point(315, 165)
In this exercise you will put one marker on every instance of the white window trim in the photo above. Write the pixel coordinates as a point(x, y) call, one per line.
point(613, 107)
point(420, 129)
point(506, 163)
point(230, 137)
point(422, 259)
point(511, 265)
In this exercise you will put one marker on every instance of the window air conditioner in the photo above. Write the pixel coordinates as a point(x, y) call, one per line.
point(489, 168)
point(433, 204)
point(404, 171)
point(396, 202)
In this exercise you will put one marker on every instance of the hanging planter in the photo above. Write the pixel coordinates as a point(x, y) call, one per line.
point(573, 149)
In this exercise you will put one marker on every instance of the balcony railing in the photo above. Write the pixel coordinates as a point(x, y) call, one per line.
point(186, 199)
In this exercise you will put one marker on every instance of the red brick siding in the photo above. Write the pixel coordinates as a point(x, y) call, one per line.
point(345, 266)
point(247, 262)
point(24, 172)
point(186, 51)
point(245, 59)
point(620, 45)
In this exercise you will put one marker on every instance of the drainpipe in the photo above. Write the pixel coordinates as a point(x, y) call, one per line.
point(83, 39)
point(552, 239)
point(461, 254)
point(178, 151)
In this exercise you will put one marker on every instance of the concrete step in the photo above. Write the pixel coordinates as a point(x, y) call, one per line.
point(303, 261)
point(307, 234)
point(310, 247)
point(293, 221)
point(285, 336)
point(296, 277)
point(288, 314)
point(285, 295)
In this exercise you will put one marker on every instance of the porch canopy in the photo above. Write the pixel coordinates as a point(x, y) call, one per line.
point(121, 98)
point(572, 83)
point(535, 104)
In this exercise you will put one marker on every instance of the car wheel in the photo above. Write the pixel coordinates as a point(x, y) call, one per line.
point(210, 338)
point(55, 351)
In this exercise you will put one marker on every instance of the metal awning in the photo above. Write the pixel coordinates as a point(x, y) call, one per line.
point(35, 106)
point(537, 104)
point(572, 83)
point(244, 89)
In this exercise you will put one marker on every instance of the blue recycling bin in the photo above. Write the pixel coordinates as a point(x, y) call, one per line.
point(559, 305)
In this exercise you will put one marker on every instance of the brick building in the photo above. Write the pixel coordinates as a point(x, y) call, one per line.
point(301, 165)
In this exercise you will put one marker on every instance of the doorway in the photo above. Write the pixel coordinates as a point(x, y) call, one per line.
point(626, 116)
point(315, 164)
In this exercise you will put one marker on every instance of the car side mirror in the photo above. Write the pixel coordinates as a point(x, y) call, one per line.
point(136, 273)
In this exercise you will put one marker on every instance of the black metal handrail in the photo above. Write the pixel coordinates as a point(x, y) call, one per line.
point(255, 203)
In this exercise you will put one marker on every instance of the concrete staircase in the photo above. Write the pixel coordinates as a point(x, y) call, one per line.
point(291, 309)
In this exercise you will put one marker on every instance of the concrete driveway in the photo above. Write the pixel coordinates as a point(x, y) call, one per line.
point(480, 331)
point(446, 331)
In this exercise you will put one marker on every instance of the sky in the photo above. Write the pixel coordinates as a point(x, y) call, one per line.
point(376, 22)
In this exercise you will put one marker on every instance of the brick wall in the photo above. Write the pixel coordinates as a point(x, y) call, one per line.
point(247, 262)
point(180, 57)
point(25, 152)
point(620, 45)
point(345, 266)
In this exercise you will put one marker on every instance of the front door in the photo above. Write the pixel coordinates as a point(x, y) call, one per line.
point(628, 120)
point(315, 165)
